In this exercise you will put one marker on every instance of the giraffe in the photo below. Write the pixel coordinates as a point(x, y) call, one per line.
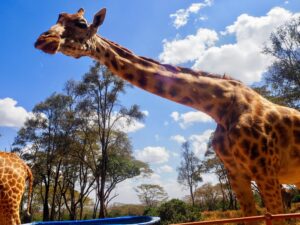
point(13, 175)
point(256, 140)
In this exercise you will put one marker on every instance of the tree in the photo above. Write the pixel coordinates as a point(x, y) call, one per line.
point(212, 164)
point(76, 144)
point(45, 135)
point(99, 92)
point(208, 196)
point(189, 171)
point(151, 194)
point(282, 82)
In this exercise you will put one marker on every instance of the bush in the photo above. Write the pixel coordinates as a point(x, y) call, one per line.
point(296, 198)
point(125, 210)
point(177, 211)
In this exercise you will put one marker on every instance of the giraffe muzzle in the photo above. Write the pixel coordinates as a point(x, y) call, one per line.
point(48, 43)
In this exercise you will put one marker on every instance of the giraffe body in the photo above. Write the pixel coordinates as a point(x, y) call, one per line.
point(256, 139)
point(13, 175)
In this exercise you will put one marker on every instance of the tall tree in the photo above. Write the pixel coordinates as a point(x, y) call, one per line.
point(151, 194)
point(99, 92)
point(283, 78)
point(46, 137)
point(212, 164)
point(189, 171)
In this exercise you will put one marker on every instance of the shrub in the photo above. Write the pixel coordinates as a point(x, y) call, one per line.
point(296, 198)
point(177, 211)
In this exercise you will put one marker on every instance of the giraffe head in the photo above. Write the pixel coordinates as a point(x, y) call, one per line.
point(71, 34)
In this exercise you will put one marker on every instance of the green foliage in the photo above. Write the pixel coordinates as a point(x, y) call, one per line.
point(76, 144)
point(190, 169)
point(177, 211)
point(282, 82)
point(296, 198)
point(126, 210)
point(151, 194)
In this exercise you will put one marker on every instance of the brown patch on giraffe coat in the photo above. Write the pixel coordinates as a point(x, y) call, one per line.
point(287, 120)
point(297, 136)
point(263, 165)
point(283, 134)
point(128, 76)
point(208, 108)
point(272, 117)
point(142, 80)
point(254, 153)
point(264, 144)
point(186, 101)
point(159, 88)
point(218, 91)
point(267, 127)
point(296, 122)
point(174, 91)
point(114, 64)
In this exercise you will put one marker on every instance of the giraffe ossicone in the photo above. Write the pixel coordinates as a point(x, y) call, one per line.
point(256, 140)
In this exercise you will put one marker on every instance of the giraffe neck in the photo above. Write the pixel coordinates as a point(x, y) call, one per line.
point(208, 93)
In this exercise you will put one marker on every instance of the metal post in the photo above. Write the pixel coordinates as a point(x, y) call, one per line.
point(268, 218)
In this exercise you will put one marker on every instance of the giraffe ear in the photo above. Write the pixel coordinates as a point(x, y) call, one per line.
point(99, 18)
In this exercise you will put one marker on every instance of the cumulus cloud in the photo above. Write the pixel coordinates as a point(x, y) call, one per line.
point(155, 155)
point(243, 59)
point(12, 115)
point(199, 142)
point(165, 169)
point(123, 125)
point(181, 16)
point(189, 48)
point(178, 138)
point(187, 119)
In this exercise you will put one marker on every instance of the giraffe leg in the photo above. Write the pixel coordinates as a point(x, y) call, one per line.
point(270, 190)
point(242, 187)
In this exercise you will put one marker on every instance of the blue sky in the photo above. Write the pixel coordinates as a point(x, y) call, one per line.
point(217, 36)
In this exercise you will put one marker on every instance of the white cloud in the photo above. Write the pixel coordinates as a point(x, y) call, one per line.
point(174, 154)
point(175, 116)
point(145, 112)
point(128, 195)
point(188, 49)
point(12, 115)
point(181, 16)
point(123, 125)
point(242, 59)
point(156, 155)
point(178, 138)
point(187, 119)
point(199, 143)
point(165, 169)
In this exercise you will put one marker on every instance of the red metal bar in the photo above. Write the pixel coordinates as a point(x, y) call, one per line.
point(267, 218)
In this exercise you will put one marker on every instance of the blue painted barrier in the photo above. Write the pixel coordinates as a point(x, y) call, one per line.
point(137, 220)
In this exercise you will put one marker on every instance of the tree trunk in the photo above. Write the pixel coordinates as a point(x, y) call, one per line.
point(52, 215)
point(192, 195)
point(102, 192)
point(46, 205)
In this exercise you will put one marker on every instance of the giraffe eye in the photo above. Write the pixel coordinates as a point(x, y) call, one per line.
point(81, 24)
